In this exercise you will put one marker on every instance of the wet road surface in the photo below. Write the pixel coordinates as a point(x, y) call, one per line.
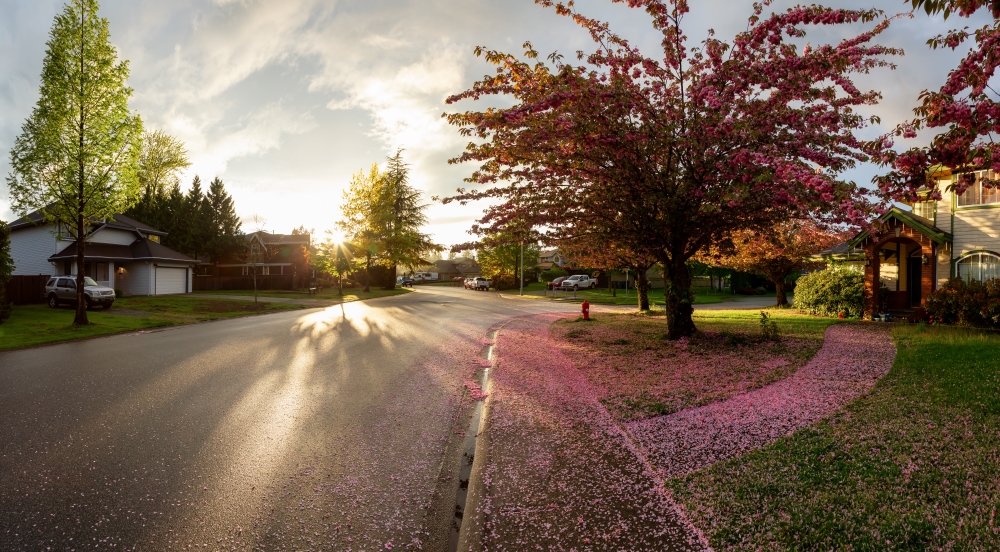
point(328, 429)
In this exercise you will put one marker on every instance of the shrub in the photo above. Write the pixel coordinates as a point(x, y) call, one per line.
point(832, 291)
point(552, 274)
point(975, 304)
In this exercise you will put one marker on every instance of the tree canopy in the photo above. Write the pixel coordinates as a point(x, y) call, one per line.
point(383, 216)
point(76, 158)
point(677, 151)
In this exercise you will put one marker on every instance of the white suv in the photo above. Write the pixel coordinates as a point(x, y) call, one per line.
point(578, 281)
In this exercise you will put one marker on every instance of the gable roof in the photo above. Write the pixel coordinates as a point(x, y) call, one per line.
point(918, 223)
point(279, 239)
point(140, 250)
point(120, 222)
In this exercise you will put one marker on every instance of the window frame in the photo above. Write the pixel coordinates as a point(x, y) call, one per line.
point(978, 255)
point(978, 187)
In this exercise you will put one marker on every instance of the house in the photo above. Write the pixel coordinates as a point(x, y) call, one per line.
point(121, 253)
point(551, 258)
point(448, 270)
point(913, 252)
point(279, 258)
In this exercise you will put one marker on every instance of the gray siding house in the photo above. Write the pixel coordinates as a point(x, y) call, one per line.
point(121, 253)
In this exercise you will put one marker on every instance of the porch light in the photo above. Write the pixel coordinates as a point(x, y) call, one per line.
point(121, 270)
point(898, 230)
point(926, 259)
point(868, 261)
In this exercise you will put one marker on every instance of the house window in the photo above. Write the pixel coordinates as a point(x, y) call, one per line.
point(979, 266)
point(926, 209)
point(154, 239)
point(977, 194)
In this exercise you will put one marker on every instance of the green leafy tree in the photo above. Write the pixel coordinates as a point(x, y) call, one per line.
point(161, 159)
point(334, 257)
point(382, 219)
point(77, 156)
point(501, 262)
point(6, 270)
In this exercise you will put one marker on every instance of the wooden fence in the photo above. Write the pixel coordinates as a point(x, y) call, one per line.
point(26, 290)
point(243, 283)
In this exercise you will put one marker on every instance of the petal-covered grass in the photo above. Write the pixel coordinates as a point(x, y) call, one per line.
point(914, 465)
point(638, 373)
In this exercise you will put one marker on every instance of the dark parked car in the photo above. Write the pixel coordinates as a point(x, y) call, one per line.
point(555, 283)
point(406, 282)
point(62, 289)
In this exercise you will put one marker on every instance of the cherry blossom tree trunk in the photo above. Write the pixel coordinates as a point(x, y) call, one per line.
point(642, 290)
point(678, 299)
point(779, 287)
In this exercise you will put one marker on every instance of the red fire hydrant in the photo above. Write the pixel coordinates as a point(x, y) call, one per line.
point(586, 310)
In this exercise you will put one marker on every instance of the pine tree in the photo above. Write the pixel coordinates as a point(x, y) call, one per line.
point(198, 219)
point(225, 224)
point(77, 156)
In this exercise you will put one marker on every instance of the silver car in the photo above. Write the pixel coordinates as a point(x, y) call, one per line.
point(62, 289)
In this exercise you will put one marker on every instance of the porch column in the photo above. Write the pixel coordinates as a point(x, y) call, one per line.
point(928, 274)
point(872, 279)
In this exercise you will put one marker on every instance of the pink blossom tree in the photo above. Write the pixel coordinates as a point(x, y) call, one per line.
point(966, 108)
point(676, 151)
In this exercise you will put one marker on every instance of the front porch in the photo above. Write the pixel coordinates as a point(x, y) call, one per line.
point(901, 262)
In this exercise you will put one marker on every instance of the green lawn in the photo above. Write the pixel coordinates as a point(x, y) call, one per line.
point(38, 325)
point(328, 294)
point(912, 466)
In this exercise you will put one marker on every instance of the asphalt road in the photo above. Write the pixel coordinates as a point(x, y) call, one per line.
point(326, 429)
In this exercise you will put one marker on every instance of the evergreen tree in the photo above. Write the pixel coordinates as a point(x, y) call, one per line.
point(224, 223)
point(77, 156)
point(171, 213)
point(197, 216)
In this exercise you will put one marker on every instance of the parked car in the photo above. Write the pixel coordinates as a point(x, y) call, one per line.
point(62, 289)
point(469, 282)
point(555, 283)
point(480, 284)
point(406, 281)
point(578, 281)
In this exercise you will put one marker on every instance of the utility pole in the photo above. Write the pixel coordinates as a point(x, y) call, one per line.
point(522, 268)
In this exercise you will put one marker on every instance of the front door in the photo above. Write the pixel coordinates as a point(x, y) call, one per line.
point(914, 273)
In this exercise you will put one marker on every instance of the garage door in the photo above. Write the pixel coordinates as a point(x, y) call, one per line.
point(171, 280)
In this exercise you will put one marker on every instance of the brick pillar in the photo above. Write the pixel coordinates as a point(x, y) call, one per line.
point(927, 274)
point(872, 279)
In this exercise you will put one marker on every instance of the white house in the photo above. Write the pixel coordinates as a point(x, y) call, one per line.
point(915, 252)
point(121, 253)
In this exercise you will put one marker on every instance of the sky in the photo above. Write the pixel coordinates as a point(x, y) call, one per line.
point(285, 99)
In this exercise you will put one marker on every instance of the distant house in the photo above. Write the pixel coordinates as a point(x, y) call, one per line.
point(551, 258)
point(279, 259)
point(454, 268)
point(121, 253)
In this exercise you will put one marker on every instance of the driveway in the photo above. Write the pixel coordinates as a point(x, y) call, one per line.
point(335, 428)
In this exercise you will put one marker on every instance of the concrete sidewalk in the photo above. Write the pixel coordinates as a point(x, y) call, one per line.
point(554, 471)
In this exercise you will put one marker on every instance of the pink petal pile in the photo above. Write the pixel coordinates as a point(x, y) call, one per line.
point(561, 473)
point(852, 359)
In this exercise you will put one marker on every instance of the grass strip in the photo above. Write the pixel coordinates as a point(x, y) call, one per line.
point(912, 466)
